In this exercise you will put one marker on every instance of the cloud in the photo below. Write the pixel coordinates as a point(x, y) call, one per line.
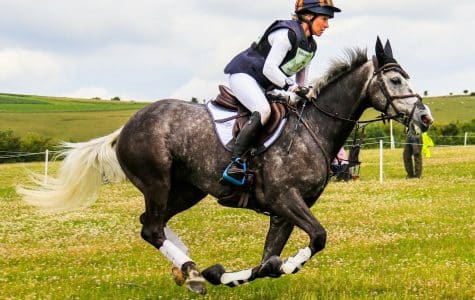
point(198, 88)
point(156, 49)
point(18, 63)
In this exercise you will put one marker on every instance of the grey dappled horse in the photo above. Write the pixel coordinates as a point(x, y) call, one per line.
point(169, 151)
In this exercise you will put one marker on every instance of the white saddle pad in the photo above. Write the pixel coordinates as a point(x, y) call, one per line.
point(224, 130)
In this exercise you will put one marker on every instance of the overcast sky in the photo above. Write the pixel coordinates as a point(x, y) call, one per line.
point(153, 49)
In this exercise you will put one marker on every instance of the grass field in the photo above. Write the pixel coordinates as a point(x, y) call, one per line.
point(63, 118)
point(83, 119)
point(402, 239)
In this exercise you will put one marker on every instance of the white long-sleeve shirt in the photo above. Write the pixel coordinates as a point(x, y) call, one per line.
point(280, 46)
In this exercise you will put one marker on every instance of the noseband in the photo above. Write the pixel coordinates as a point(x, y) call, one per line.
point(378, 76)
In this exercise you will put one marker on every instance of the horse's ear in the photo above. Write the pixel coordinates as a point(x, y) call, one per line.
point(380, 54)
point(388, 50)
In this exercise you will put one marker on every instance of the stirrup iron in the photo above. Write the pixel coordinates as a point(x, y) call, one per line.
point(242, 165)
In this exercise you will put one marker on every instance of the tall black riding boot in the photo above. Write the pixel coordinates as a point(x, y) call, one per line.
point(247, 135)
point(244, 141)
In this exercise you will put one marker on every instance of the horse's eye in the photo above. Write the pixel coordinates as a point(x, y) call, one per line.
point(396, 80)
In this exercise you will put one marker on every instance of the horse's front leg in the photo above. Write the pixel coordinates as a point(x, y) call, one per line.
point(289, 209)
point(277, 236)
point(291, 206)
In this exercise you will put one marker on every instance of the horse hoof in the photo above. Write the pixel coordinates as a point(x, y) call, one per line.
point(178, 276)
point(196, 283)
point(213, 274)
point(271, 267)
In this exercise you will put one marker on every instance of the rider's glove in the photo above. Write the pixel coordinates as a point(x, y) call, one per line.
point(285, 96)
point(303, 91)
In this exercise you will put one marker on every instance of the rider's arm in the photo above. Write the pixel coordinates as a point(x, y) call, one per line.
point(301, 76)
point(280, 45)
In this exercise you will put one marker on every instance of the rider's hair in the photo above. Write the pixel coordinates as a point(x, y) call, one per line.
point(302, 15)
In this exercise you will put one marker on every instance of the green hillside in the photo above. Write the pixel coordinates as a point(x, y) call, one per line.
point(446, 109)
point(35, 104)
point(82, 119)
point(63, 118)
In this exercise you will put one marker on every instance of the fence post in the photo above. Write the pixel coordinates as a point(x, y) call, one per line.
point(46, 167)
point(391, 134)
point(465, 139)
point(381, 161)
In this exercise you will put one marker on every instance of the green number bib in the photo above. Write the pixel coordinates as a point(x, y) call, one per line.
point(300, 61)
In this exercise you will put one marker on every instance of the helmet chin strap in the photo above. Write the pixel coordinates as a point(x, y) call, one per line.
point(309, 23)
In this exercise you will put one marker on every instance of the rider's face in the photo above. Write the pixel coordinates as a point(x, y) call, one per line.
point(319, 25)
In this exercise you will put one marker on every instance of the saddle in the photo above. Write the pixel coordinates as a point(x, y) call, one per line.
point(227, 100)
point(238, 115)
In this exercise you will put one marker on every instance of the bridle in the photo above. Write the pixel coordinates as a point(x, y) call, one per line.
point(378, 76)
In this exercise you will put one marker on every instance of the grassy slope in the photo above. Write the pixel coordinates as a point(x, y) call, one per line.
point(403, 239)
point(444, 109)
point(82, 119)
point(63, 118)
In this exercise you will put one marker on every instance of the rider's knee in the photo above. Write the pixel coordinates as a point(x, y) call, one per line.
point(265, 114)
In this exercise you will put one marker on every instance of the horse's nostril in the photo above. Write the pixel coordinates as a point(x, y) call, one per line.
point(426, 119)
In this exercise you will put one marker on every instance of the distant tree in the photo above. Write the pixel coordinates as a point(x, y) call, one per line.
point(465, 92)
point(115, 99)
point(9, 144)
point(472, 94)
point(96, 98)
point(451, 94)
point(426, 93)
point(195, 100)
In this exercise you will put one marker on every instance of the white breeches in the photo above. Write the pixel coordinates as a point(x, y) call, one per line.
point(250, 94)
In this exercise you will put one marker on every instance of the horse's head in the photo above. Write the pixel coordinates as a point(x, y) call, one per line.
point(390, 91)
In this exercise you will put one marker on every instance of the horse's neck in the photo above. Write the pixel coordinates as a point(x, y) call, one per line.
point(344, 98)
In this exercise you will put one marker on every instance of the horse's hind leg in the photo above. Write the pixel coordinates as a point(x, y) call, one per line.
point(157, 212)
point(153, 219)
point(182, 197)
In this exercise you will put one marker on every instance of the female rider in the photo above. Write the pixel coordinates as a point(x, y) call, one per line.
point(285, 49)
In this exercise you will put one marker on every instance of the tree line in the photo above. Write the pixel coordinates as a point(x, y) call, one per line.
point(32, 146)
point(16, 149)
point(443, 134)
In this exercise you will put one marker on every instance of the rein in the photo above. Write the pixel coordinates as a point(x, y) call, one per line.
point(377, 75)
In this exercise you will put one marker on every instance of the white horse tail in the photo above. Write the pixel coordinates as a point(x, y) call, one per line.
point(85, 166)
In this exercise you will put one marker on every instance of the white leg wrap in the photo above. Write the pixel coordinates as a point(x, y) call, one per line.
point(235, 277)
point(172, 237)
point(174, 254)
point(295, 262)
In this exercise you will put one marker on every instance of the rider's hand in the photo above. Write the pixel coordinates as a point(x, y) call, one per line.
point(286, 96)
point(303, 91)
